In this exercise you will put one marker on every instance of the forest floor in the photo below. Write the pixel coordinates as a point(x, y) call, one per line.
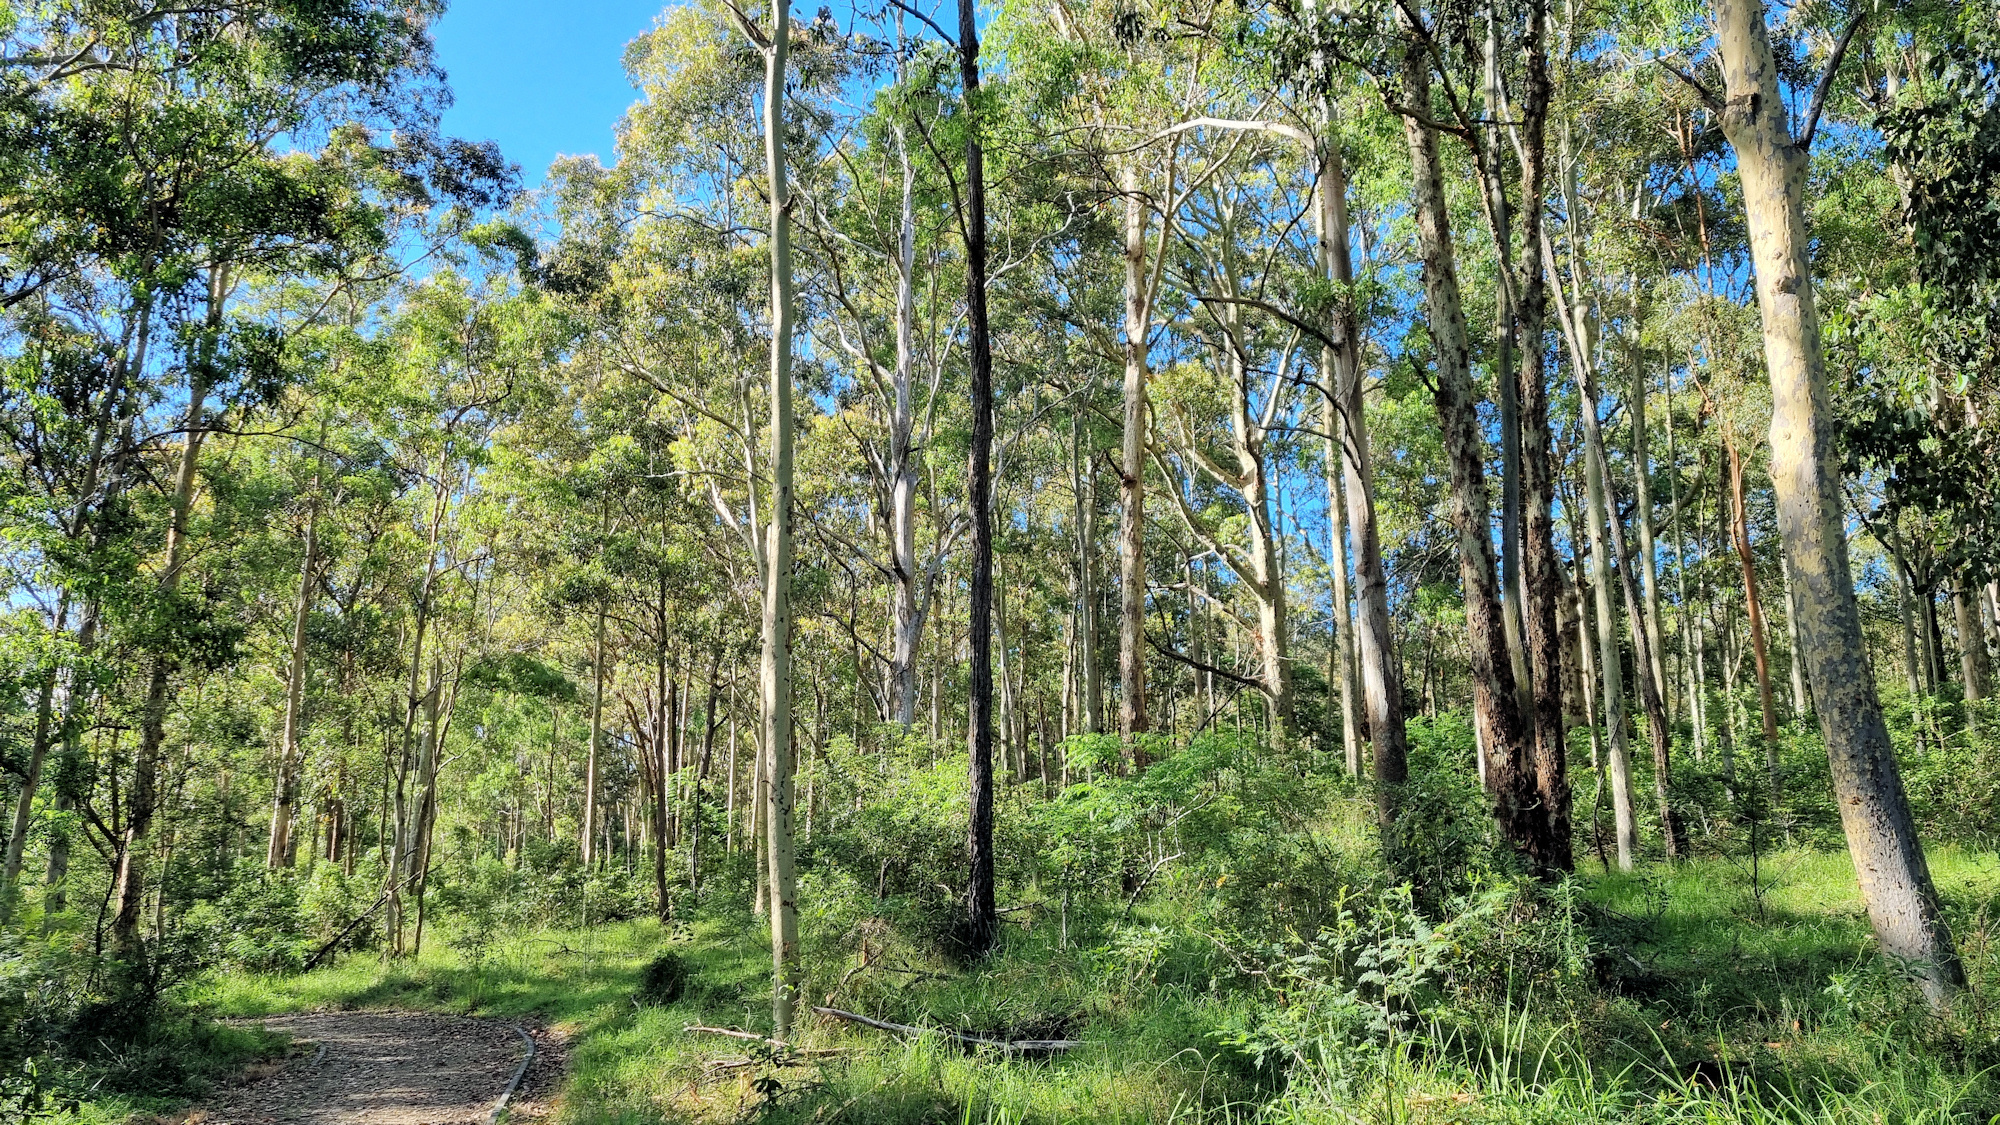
point(1753, 995)
point(375, 1068)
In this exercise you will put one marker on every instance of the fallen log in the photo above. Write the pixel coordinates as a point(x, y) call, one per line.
point(1011, 1046)
point(775, 1044)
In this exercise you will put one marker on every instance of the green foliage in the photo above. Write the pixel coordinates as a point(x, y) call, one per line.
point(1384, 975)
point(664, 980)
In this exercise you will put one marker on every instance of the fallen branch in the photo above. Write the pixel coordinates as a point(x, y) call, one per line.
point(349, 928)
point(777, 1044)
point(1014, 1046)
point(1141, 888)
point(780, 1044)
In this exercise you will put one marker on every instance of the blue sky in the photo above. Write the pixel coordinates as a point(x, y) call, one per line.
point(541, 77)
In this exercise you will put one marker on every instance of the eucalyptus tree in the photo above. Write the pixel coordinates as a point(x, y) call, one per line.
point(1221, 429)
point(1133, 92)
point(1889, 860)
point(1507, 732)
point(774, 42)
point(877, 241)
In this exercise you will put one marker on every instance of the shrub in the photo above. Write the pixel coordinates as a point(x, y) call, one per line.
point(664, 980)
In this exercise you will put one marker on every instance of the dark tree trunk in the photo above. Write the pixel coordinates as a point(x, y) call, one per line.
point(982, 921)
point(1548, 847)
point(1496, 702)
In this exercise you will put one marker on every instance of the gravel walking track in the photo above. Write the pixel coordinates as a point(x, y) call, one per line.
point(383, 1068)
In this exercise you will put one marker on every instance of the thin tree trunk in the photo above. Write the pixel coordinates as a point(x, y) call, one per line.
point(1589, 678)
point(667, 691)
point(1009, 709)
point(701, 773)
point(1659, 732)
point(1505, 380)
point(587, 834)
point(1690, 623)
point(775, 670)
point(1888, 859)
point(909, 607)
point(1913, 655)
point(1625, 823)
point(1973, 669)
point(1337, 265)
point(1083, 478)
point(291, 756)
point(119, 412)
point(982, 920)
point(1753, 603)
point(1642, 518)
point(1374, 647)
point(31, 781)
point(1340, 649)
point(729, 797)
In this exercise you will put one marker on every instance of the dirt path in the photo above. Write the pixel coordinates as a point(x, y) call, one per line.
point(379, 1068)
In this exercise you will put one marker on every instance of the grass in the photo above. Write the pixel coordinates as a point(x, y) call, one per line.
point(180, 1054)
point(1721, 1003)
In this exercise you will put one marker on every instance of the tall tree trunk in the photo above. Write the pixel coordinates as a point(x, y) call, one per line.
point(284, 798)
point(909, 607)
point(1374, 644)
point(1888, 859)
point(1658, 731)
point(1625, 824)
point(695, 815)
point(982, 920)
point(1132, 474)
point(1340, 647)
point(1505, 380)
point(1083, 479)
point(1642, 518)
point(403, 834)
point(1541, 620)
point(668, 693)
point(431, 744)
point(1685, 619)
point(1009, 729)
point(1590, 717)
point(31, 781)
point(775, 664)
point(1903, 600)
point(119, 412)
point(1496, 699)
point(1355, 657)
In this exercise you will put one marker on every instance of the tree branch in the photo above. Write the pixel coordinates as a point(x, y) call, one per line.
point(1826, 80)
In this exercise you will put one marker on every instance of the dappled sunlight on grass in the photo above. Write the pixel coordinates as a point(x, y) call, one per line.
point(1715, 999)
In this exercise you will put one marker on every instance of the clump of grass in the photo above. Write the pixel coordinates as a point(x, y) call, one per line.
point(664, 979)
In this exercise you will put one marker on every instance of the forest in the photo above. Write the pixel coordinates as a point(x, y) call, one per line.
point(1195, 561)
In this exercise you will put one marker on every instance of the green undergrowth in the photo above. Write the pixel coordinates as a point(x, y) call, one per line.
point(153, 1075)
point(561, 976)
point(1687, 994)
